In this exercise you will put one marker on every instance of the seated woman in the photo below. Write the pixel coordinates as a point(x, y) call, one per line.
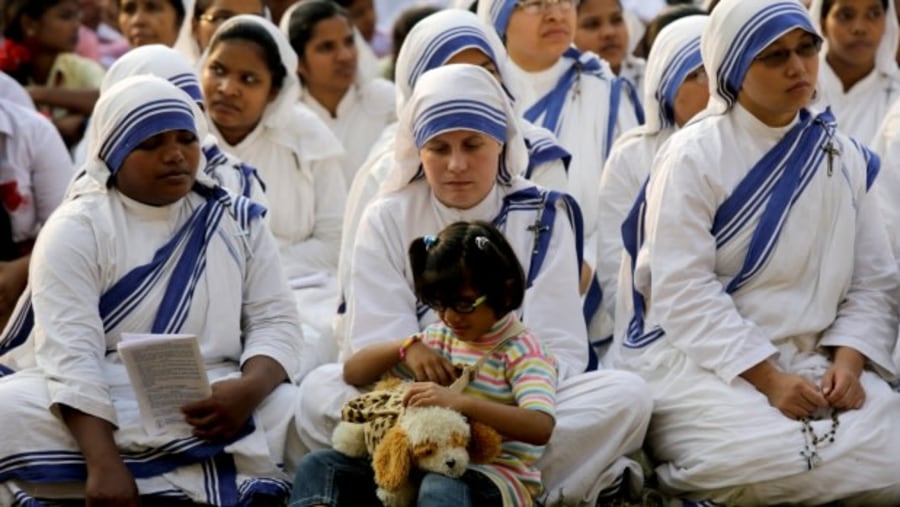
point(603, 29)
point(574, 95)
point(858, 74)
point(251, 93)
point(40, 44)
point(34, 172)
point(675, 89)
point(446, 37)
point(465, 164)
point(764, 317)
point(356, 108)
point(107, 263)
point(165, 62)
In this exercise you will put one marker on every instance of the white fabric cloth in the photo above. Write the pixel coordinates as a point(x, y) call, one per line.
point(362, 115)
point(169, 64)
point(240, 309)
point(583, 131)
point(829, 282)
point(579, 464)
point(629, 162)
point(35, 161)
point(886, 187)
point(298, 159)
point(860, 110)
point(11, 90)
point(185, 43)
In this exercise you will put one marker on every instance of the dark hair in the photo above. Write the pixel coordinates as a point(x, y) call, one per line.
point(176, 4)
point(403, 25)
point(202, 5)
point(15, 10)
point(471, 255)
point(662, 20)
point(828, 4)
point(581, 3)
point(306, 16)
point(257, 35)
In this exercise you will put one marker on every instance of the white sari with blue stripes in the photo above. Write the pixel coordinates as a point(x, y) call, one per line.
point(106, 264)
point(753, 246)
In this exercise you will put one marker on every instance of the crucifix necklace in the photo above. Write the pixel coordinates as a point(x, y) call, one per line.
point(812, 441)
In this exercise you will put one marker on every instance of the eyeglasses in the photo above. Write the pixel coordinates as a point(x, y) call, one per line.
point(534, 7)
point(459, 306)
point(806, 49)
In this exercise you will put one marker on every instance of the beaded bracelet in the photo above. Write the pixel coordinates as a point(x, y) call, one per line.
point(407, 343)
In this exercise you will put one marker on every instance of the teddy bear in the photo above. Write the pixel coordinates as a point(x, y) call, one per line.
point(399, 439)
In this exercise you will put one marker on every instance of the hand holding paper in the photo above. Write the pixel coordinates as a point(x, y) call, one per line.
point(166, 372)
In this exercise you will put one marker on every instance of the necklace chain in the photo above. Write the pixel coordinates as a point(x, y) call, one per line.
point(813, 442)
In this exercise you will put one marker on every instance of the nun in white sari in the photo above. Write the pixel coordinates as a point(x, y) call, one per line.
point(576, 96)
point(437, 40)
point(298, 159)
point(600, 415)
point(119, 258)
point(169, 64)
point(674, 90)
point(861, 107)
point(764, 285)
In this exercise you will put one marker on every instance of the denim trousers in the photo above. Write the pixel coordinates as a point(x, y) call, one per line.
point(328, 477)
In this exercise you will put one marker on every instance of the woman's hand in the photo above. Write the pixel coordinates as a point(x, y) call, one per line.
point(795, 396)
point(841, 385)
point(221, 416)
point(429, 394)
point(110, 483)
point(428, 365)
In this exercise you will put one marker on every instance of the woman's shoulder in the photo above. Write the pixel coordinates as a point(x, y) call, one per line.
point(311, 136)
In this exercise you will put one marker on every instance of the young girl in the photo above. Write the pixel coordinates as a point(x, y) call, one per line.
point(858, 75)
point(470, 276)
point(251, 102)
point(38, 52)
point(356, 107)
point(602, 29)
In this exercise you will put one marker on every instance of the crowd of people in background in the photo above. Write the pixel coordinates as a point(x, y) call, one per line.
point(661, 239)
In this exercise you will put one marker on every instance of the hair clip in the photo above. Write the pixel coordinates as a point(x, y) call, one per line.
point(429, 241)
point(482, 242)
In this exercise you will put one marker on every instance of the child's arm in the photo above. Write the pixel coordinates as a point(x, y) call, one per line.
point(370, 363)
point(513, 422)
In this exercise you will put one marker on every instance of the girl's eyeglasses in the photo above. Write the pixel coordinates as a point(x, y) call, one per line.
point(535, 7)
point(459, 306)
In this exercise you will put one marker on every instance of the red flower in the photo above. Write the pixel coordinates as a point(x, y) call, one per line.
point(13, 55)
point(10, 196)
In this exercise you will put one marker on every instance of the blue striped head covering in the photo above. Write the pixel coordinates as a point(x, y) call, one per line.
point(157, 60)
point(450, 98)
point(675, 54)
point(128, 113)
point(737, 31)
point(498, 12)
point(438, 38)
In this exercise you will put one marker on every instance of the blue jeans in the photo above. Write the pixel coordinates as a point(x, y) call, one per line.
point(328, 477)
